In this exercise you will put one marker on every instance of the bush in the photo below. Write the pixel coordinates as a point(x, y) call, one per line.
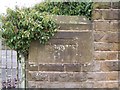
point(20, 27)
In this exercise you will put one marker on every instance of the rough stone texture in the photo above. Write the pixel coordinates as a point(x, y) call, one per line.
point(114, 26)
point(102, 5)
point(51, 67)
point(96, 14)
point(84, 27)
point(99, 76)
point(93, 66)
point(74, 50)
point(102, 25)
point(61, 19)
point(58, 85)
point(38, 76)
point(106, 44)
point(58, 76)
point(110, 37)
point(110, 14)
point(62, 77)
point(106, 84)
point(106, 55)
point(112, 76)
point(103, 46)
point(110, 66)
point(82, 54)
point(33, 67)
point(106, 25)
point(72, 67)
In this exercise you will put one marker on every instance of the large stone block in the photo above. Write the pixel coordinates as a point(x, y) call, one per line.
point(59, 76)
point(72, 67)
point(80, 77)
point(110, 66)
point(106, 84)
point(58, 85)
point(61, 19)
point(106, 25)
point(101, 46)
point(110, 14)
point(102, 76)
point(93, 66)
point(112, 56)
point(75, 67)
point(62, 77)
point(88, 84)
point(101, 85)
point(96, 15)
point(51, 67)
point(106, 76)
point(98, 36)
point(100, 55)
point(68, 77)
point(110, 37)
point(113, 84)
point(107, 14)
point(80, 27)
point(38, 76)
point(102, 25)
point(116, 14)
point(65, 47)
point(113, 76)
point(114, 26)
point(102, 5)
point(106, 55)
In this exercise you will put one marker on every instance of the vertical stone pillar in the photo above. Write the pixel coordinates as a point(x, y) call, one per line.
point(106, 26)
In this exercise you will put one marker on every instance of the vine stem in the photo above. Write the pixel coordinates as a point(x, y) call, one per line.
point(18, 68)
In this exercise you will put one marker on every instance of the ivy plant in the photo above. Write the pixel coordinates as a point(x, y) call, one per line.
point(21, 26)
point(66, 8)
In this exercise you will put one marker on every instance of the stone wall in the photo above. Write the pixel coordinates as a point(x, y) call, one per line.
point(82, 54)
point(106, 43)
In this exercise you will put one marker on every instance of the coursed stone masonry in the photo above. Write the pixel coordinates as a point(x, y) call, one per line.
point(83, 54)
